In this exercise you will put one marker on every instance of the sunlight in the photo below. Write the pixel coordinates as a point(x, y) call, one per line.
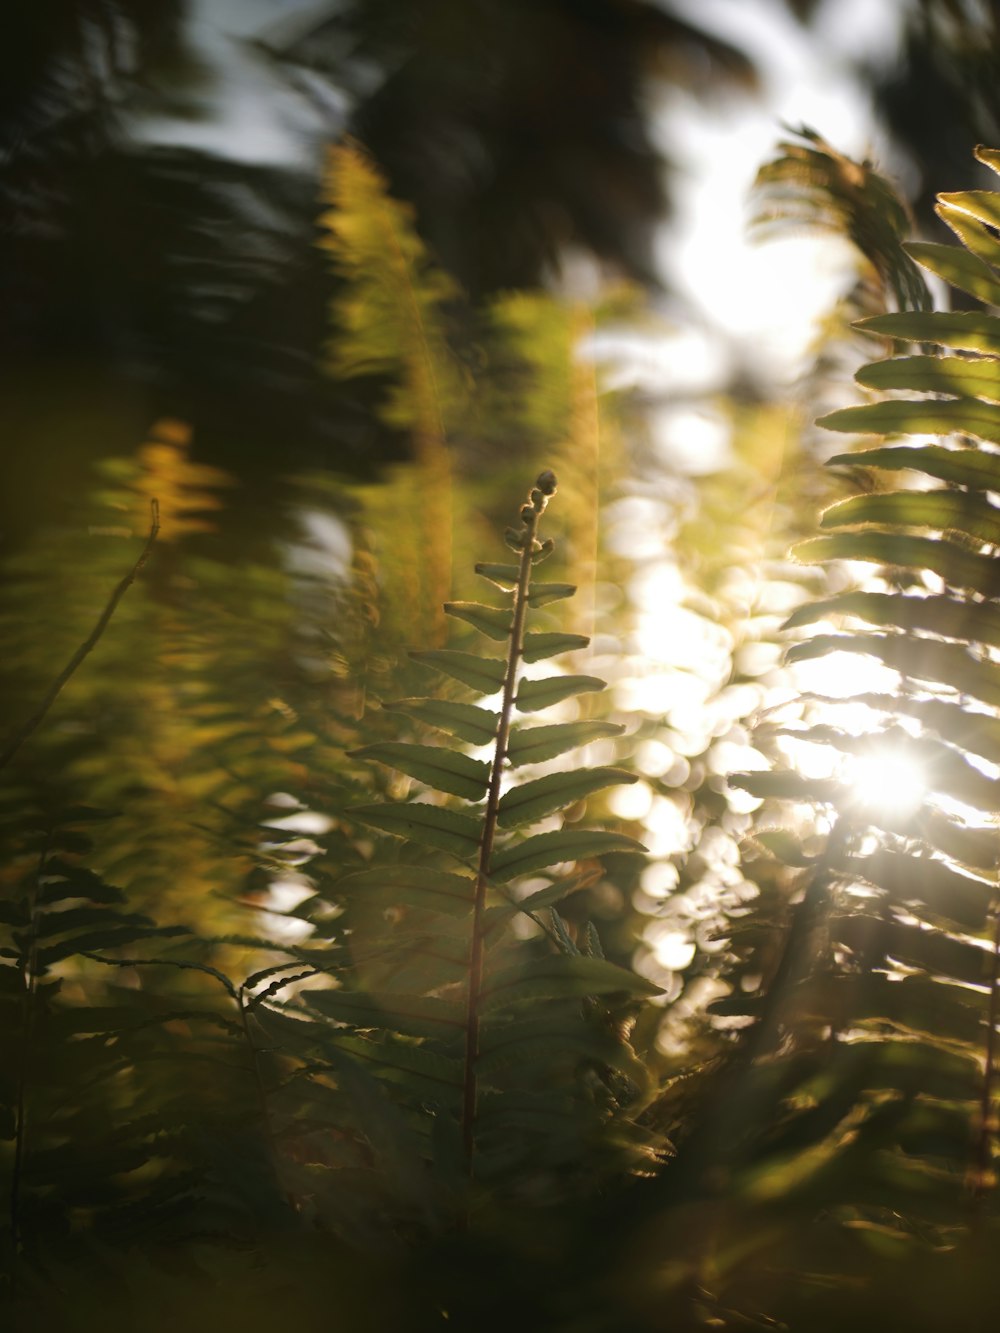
point(888, 781)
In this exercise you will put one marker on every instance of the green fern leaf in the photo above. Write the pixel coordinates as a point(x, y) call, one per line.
point(538, 647)
point(504, 576)
point(468, 722)
point(535, 695)
point(548, 849)
point(484, 674)
point(427, 824)
point(437, 767)
point(946, 616)
point(495, 622)
point(534, 800)
point(901, 416)
point(540, 594)
point(945, 511)
point(961, 467)
point(561, 976)
point(971, 330)
point(922, 659)
point(962, 377)
point(958, 268)
point(953, 563)
point(419, 1015)
point(416, 886)
point(533, 745)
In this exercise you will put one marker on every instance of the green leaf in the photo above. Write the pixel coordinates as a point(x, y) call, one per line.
point(561, 976)
point(953, 563)
point(946, 511)
point(547, 849)
point(533, 745)
point(928, 416)
point(969, 329)
point(477, 726)
point(485, 674)
point(427, 824)
point(504, 576)
point(783, 845)
point(974, 468)
point(537, 647)
point(959, 268)
point(534, 695)
point(434, 765)
point(921, 659)
point(976, 238)
point(977, 377)
point(418, 1015)
point(929, 883)
point(786, 785)
point(424, 886)
point(535, 800)
point(403, 1058)
point(542, 898)
point(495, 622)
point(522, 1044)
point(975, 731)
point(540, 594)
point(978, 622)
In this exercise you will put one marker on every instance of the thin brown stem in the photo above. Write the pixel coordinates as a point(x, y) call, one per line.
point(982, 1175)
point(29, 983)
point(32, 723)
point(531, 515)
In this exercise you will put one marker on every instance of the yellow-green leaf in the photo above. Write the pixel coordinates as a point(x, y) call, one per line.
point(972, 330)
point(973, 377)
point(974, 468)
point(947, 616)
point(954, 564)
point(946, 511)
point(904, 416)
point(958, 268)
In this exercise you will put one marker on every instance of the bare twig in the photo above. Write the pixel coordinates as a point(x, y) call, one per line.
point(34, 721)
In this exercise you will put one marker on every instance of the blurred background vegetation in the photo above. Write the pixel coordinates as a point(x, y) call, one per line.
point(333, 282)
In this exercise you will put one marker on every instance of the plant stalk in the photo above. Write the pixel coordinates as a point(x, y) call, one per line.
point(477, 950)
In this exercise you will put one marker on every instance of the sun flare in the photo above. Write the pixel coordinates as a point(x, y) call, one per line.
point(888, 781)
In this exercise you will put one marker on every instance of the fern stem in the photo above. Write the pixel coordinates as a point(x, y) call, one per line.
point(32, 723)
point(531, 514)
point(982, 1174)
point(29, 978)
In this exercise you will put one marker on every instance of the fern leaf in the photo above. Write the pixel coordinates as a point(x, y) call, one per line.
point(534, 800)
point(477, 726)
point(437, 767)
point(548, 849)
point(535, 695)
point(484, 674)
point(427, 824)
